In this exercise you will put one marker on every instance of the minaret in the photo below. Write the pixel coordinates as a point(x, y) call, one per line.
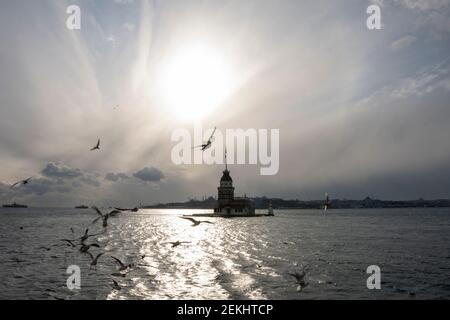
point(226, 189)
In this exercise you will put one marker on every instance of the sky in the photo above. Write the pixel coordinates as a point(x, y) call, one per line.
point(360, 112)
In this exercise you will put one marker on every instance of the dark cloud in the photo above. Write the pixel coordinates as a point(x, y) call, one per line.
point(53, 170)
point(57, 179)
point(149, 174)
point(116, 177)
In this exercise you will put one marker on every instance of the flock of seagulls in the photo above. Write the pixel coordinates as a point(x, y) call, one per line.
point(85, 247)
point(125, 268)
point(122, 268)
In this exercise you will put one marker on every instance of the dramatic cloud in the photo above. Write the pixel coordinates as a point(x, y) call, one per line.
point(53, 170)
point(359, 111)
point(149, 175)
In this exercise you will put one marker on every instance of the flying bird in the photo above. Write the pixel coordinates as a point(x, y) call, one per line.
point(87, 236)
point(116, 285)
point(104, 217)
point(208, 143)
point(85, 247)
point(94, 260)
point(21, 182)
point(176, 243)
point(300, 279)
point(196, 222)
point(97, 147)
point(122, 266)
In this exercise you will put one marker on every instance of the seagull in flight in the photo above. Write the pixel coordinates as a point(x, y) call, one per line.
point(196, 222)
point(122, 266)
point(208, 143)
point(104, 217)
point(115, 285)
point(86, 236)
point(300, 279)
point(94, 260)
point(85, 247)
point(97, 147)
point(177, 243)
point(21, 182)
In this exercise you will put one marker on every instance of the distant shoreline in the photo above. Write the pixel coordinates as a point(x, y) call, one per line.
point(264, 203)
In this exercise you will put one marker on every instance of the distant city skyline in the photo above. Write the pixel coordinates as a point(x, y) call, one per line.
point(359, 112)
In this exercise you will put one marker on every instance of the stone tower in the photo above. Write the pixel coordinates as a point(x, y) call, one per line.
point(226, 189)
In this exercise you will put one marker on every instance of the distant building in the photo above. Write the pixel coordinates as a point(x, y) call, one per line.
point(227, 204)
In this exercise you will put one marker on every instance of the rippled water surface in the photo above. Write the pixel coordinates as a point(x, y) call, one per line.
point(240, 258)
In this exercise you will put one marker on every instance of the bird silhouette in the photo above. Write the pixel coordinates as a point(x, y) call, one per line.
point(196, 222)
point(208, 143)
point(122, 266)
point(300, 279)
point(104, 217)
point(21, 182)
point(85, 247)
point(115, 285)
point(94, 260)
point(86, 236)
point(176, 243)
point(97, 147)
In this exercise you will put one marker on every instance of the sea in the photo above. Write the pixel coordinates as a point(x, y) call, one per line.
point(234, 258)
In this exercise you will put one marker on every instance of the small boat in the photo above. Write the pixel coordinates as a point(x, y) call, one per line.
point(15, 205)
point(82, 207)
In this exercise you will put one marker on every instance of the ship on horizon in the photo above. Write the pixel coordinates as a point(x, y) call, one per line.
point(82, 207)
point(15, 205)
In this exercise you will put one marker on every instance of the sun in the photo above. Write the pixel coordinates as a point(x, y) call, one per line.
point(194, 82)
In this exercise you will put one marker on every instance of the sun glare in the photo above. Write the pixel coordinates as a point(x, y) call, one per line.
point(194, 82)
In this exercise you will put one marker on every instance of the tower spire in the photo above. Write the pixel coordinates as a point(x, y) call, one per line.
point(226, 164)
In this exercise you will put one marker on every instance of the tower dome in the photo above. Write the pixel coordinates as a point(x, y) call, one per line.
point(226, 177)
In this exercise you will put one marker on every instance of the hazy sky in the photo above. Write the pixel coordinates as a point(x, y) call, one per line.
point(360, 112)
